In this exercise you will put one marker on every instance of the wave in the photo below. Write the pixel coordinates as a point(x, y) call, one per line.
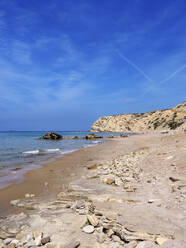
point(31, 152)
point(42, 151)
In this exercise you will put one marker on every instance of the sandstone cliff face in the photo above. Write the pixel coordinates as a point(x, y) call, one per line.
point(168, 119)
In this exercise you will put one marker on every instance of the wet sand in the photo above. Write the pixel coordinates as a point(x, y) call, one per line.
point(56, 174)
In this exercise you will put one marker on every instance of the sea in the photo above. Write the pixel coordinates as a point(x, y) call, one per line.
point(21, 151)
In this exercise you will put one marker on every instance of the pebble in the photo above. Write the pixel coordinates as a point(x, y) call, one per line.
point(15, 241)
point(88, 229)
point(14, 202)
point(115, 238)
point(45, 240)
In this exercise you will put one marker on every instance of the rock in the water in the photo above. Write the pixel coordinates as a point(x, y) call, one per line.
point(93, 136)
point(52, 136)
point(88, 229)
point(73, 244)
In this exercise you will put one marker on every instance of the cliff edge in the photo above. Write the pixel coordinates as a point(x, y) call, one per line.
point(168, 119)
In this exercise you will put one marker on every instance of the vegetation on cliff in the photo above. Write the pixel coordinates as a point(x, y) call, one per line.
point(168, 119)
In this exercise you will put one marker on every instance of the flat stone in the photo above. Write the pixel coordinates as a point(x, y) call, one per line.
point(161, 240)
point(88, 229)
point(132, 244)
point(73, 244)
point(147, 244)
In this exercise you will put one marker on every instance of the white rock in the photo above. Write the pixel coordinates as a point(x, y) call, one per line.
point(88, 229)
point(15, 241)
point(7, 241)
point(14, 202)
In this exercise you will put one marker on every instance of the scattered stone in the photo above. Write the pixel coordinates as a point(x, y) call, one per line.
point(88, 229)
point(92, 220)
point(151, 200)
point(73, 244)
point(29, 195)
point(45, 240)
point(174, 179)
point(110, 233)
point(110, 181)
point(7, 241)
point(14, 202)
point(115, 238)
point(92, 167)
point(161, 240)
point(15, 241)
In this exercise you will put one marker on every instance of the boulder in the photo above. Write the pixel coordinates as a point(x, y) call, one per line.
point(51, 136)
point(93, 136)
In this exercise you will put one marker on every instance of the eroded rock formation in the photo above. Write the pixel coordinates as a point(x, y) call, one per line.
point(169, 119)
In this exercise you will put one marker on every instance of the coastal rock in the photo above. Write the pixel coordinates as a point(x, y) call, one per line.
point(51, 136)
point(93, 136)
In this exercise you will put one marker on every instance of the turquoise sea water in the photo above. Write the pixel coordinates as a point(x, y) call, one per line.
point(23, 151)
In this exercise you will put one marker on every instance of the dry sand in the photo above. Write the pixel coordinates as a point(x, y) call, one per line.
point(136, 183)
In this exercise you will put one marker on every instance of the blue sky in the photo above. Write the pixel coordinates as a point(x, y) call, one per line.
point(65, 63)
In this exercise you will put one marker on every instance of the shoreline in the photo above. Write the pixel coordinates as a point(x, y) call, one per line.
point(18, 189)
point(129, 191)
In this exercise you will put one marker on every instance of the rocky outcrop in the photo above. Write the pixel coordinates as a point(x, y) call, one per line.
point(93, 136)
point(56, 136)
point(168, 119)
point(52, 136)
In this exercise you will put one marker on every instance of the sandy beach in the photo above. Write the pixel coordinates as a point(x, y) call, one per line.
point(128, 192)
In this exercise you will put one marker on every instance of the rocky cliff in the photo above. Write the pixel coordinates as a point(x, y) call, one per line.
point(168, 119)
